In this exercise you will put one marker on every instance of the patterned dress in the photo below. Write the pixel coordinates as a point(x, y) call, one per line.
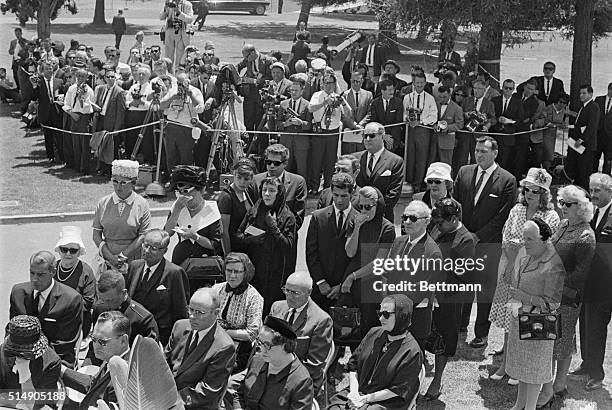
point(512, 241)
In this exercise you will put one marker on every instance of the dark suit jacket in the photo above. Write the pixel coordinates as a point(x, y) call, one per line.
point(49, 113)
point(295, 193)
point(325, 254)
point(314, 329)
point(487, 107)
point(283, 89)
point(380, 56)
point(304, 115)
point(360, 113)
point(118, 25)
point(206, 115)
point(598, 285)
point(93, 387)
point(604, 135)
point(61, 316)
point(115, 110)
point(263, 68)
point(166, 294)
point(514, 111)
point(455, 59)
point(393, 115)
point(391, 184)
point(556, 89)
point(487, 218)
point(587, 117)
point(202, 376)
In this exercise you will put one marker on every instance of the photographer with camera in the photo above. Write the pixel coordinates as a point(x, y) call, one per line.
point(178, 15)
point(257, 72)
point(181, 104)
point(137, 108)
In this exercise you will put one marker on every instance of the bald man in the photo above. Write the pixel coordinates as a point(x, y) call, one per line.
point(58, 307)
point(200, 353)
point(310, 323)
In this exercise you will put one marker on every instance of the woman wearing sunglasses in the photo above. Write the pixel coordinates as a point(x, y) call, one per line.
point(73, 272)
point(439, 186)
point(384, 369)
point(533, 202)
point(122, 218)
point(371, 228)
point(269, 231)
point(197, 221)
point(574, 241)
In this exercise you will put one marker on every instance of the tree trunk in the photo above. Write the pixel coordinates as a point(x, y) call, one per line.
point(489, 50)
point(43, 25)
point(304, 13)
point(386, 27)
point(582, 48)
point(99, 14)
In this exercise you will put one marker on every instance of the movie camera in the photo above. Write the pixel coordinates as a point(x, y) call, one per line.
point(476, 120)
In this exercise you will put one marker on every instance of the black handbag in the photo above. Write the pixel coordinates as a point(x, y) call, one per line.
point(347, 320)
point(540, 326)
point(204, 271)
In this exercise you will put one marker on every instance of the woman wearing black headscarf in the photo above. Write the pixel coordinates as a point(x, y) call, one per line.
point(384, 369)
point(269, 231)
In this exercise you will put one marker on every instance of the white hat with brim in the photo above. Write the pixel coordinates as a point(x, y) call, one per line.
point(439, 170)
point(318, 64)
point(538, 177)
point(278, 65)
point(68, 235)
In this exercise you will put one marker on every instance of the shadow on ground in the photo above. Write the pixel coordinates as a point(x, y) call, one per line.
point(87, 28)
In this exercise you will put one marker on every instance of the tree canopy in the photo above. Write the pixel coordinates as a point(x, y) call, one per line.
point(43, 11)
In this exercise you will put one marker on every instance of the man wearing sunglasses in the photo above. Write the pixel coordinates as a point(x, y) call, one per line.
point(200, 353)
point(110, 338)
point(380, 168)
point(509, 114)
point(312, 326)
point(109, 116)
point(388, 109)
point(349, 164)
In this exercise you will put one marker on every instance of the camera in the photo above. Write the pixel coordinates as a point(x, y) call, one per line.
point(156, 87)
point(136, 95)
point(172, 4)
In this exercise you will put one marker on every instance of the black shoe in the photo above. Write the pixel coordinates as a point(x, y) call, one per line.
point(580, 371)
point(478, 342)
point(548, 404)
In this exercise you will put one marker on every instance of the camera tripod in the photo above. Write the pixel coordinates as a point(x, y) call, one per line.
point(230, 144)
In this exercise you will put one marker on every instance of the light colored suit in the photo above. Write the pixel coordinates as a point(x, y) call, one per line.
point(314, 330)
point(176, 42)
point(444, 142)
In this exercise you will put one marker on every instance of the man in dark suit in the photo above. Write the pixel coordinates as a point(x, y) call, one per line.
point(207, 87)
point(110, 338)
point(310, 323)
point(466, 141)
point(604, 134)
point(360, 102)
point(325, 254)
point(295, 185)
point(297, 144)
point(531, 113)
point(49, 113)
point(450, 56)
point(389, 109)
point(158, 284)
point(119, 27)
point(550, 88)
point(257, 71)
point(200, 353)
point(380, 168)
point(373, 56)
point(450, 120)
point(578, 166)
point(486, 193)
point(509, 114)
point(58, 307)
point(348, 164)
point(110, 115)
point(597, 299)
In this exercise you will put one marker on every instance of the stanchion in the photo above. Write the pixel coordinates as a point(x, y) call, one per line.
point(156, 188)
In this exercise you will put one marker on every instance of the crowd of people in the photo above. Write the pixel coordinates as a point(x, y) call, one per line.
point(239, 325)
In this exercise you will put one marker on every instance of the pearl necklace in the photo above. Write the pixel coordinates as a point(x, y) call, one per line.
point(70, 272)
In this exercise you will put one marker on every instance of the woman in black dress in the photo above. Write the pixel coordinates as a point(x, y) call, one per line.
point(269, 231)
point(384, 370)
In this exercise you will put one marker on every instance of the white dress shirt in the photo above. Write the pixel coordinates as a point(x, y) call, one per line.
point(427, 105)
point(44, 295)
point(608, 105)
point(181, 112)
point(376, 156)
point(487, 175)
point(152, 268)
point(479, 103)
point(370, 55)
point(144, 90)
point(78, 105)
point(318, 115)
point(602, 212)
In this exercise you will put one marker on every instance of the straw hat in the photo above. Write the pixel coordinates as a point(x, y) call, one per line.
point(25, 338)
point(125, 168)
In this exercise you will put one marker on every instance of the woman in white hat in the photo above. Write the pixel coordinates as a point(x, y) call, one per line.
point(534, 201)
point(121, 218)
point(73, 272)
point(439, 186)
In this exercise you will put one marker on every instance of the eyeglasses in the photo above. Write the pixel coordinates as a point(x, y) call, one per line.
point(366, 207)
point(184, 188)
point(234, 272)
point(384, 313)
point(71, 251)
point(549, 68)
point(290, 291)
point(263, 344)
point(563, 203)
point(275, 163)
point(155, 51)
point(338, 169)
point(434, 181)
point(196, 312)
point(369, 136)
point(110, 77)
point(508, 88)
point(356, 81)
point(101, 341)
point(532, 190)
point(412, 218)
point(122, 183)
point(208, 54)
point(112, 55)
point(149, 246)
point(460, 95)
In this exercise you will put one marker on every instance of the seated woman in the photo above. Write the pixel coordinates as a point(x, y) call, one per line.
point(73, 272)
point(197, 221)
point(439, 185)
point(269, 231)
point(538, 284)
point(275, 377)
point(240, 306)
point(385, 368)
point(234, 202)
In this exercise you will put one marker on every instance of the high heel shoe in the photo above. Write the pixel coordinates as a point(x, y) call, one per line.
point(513, 382)
point(548, 404)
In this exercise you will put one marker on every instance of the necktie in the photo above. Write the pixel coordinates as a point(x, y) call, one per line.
point(226, 307)
point(194, 343)
point(147, 275)
point(608, 105)
point(448, 56)
point(340, 221)
point(478, 185)
point(371, 164)
point(547, 87)
point(418, 101)
point(505, 106)
point(291, 317)
point(356, 100)
point(104, 101)
point(36, 302)
point(595, 218)
point(293, 102)
point(443, 108)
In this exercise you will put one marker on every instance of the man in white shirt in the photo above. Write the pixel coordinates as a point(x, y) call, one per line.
point(181, 105)
point(374, 57)
point(178, 15)
point(419, 109)
point(327, 109)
